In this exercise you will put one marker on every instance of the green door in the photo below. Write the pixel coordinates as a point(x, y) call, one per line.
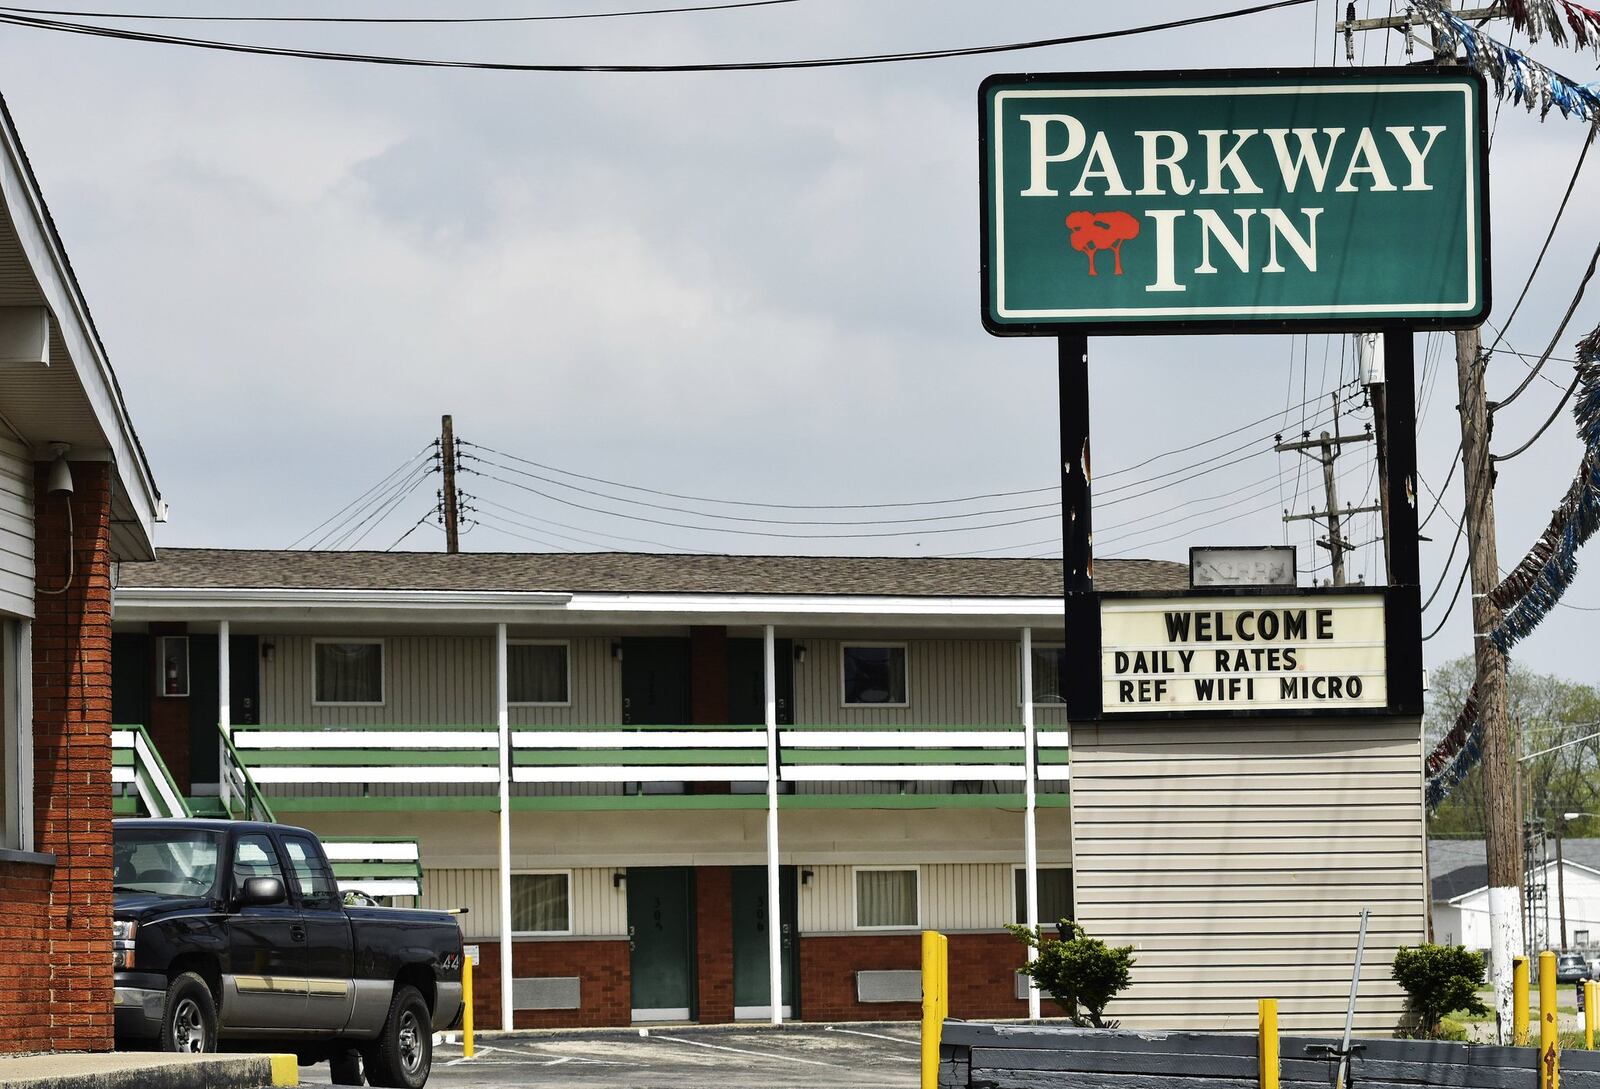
point(752, 986)
point(659, 937)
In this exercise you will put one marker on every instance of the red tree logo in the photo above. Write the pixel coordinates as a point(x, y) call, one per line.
point(1096, 231)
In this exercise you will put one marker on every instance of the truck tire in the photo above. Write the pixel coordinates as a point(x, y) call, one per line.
point(403, 1053)
point(189, 1022)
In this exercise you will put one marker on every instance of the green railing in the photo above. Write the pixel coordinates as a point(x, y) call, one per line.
point(241, 798)
point(143, 784)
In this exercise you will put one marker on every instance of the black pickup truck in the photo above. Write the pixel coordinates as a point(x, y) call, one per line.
point(235, 934)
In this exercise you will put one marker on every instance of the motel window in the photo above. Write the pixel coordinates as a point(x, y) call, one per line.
point(348, 671)
point(875, 675)
point(887, 899)
point(16, 734)
point(541, 903)
point(1049, 664)
point(538, 673)
point(1055, 895)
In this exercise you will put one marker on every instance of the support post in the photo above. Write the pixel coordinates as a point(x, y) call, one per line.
point(1561, 884)
point(1588, 1014)
point(1403, 607)
point(224, 706)
point(935, 1002)
point(469, 1046)
point(1549, 1032)
point(1030, 833)
point(769, 670)
point(503, 721)
point(447, 455)
point(1519, 1004)
point(1081, 611)
point(1267, 1046)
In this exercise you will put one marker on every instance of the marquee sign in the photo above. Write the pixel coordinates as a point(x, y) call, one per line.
point(1243, 653)
point(1308, 199)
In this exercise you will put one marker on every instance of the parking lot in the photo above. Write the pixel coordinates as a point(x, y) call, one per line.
point(853, 1056)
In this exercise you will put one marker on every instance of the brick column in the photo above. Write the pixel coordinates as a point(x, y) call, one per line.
point(713, 909)
point(72, 750)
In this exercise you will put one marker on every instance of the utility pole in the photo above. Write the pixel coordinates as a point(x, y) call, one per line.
point(447, 450)
point(1561, 884)
point(1328, 452)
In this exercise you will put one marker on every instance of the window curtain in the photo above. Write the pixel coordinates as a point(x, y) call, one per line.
point(536, 673)
point(875, 674)
point(886, 897)
point(349, 672)
point(539, 902)
point(1047, 664)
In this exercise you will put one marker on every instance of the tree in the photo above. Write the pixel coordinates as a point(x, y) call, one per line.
point(1545, 711)
point(1077, 971)
point(1439, 979)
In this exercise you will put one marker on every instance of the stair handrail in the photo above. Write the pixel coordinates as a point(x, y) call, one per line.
point(254, 802)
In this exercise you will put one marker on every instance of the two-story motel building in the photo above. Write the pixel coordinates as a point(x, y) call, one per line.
point(582, 746)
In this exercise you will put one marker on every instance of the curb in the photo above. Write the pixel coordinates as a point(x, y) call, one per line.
point(167, 1072)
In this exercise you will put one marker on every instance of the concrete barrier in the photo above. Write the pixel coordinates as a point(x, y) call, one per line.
point(147, 1070)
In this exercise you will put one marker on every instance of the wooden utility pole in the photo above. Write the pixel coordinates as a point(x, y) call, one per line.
point(447, 450)
point(1328, 452)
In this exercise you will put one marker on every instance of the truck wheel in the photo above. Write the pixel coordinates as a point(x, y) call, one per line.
point(403, 1052)
point(344, 1068)
point(189, 1022)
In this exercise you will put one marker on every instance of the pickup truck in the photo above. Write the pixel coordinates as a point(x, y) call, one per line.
point(235, 934)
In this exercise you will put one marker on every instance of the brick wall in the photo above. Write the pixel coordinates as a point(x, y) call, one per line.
point(981, 968)
point(55, 924)
point(602, 964)
point(713, 903)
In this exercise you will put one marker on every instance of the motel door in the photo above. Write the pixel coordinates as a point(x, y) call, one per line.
point(752, 986)
point(660, 944)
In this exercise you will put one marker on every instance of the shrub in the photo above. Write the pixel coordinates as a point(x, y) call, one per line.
point(1439, 979)
point(1082, 974)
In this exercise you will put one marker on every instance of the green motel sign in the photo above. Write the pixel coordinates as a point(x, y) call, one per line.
point(1282, 199)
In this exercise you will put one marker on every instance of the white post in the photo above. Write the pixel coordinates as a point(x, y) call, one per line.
point(224, 682)
point(503, 720)
point(1030, 792)
point(774, 900)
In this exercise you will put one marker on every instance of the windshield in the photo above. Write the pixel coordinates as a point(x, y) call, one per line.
point(166, 861)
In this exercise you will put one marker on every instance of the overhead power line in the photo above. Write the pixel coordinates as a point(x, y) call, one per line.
point(64, 26)
point(409, 464)
point(392, 19)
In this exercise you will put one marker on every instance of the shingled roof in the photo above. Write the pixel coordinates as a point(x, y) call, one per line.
point(634, 572)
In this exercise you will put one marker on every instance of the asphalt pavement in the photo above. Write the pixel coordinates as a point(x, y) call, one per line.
point(850, 1056)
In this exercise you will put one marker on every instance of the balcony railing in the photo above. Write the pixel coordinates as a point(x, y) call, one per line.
point(321, 767)
point(140, 778)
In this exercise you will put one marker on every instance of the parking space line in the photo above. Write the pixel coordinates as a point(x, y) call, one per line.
point(742, 1051)
point(874, 1035)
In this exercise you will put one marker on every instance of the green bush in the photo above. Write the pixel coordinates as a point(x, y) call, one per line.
point(1440, 979)
point(1081, 973)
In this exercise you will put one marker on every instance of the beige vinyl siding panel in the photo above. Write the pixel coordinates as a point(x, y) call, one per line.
point(598, 908)
point(433, 680)
point(16, 528)
point(1236, 856)
point(949, 682)
point(953, 897)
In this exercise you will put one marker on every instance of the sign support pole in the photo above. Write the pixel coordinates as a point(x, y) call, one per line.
point(1404, 605)
point(1082, 613)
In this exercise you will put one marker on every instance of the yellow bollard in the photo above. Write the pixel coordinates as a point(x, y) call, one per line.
point(467, 1048)
point(1588, 1014)
point(1267, 1048)
point(1549, 1032)
point(935, 1001)
point(1519, 1001)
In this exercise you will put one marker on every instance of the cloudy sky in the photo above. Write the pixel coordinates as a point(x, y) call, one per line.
point(750, 286)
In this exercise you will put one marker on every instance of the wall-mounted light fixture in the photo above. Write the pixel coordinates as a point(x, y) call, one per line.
point(616, 652)
point(806, 876)
point(618, 878)
point(59, 479)
point(799, 653)
point(267, 651)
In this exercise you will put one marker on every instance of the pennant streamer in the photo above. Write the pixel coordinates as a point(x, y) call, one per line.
point(1515, 75)
point(1532, 589)
point(1541, 19)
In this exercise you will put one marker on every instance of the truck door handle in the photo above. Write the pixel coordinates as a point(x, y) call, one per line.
point(298, 933)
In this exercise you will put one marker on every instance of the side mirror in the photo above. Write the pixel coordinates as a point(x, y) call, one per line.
point(260, 891)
